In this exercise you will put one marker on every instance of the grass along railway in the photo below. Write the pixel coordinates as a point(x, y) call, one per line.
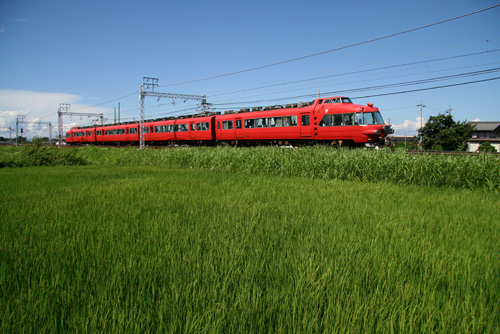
point(480, 171)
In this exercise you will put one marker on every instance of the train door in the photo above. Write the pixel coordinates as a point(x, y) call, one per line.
point(305, 125)
point(192, 129)
point(239, 128)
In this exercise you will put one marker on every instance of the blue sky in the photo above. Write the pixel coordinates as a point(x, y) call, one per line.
point(94, 54)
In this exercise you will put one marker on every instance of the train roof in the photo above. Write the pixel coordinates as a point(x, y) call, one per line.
point(300, 104)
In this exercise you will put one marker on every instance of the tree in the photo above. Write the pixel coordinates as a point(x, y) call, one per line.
point(441, 132)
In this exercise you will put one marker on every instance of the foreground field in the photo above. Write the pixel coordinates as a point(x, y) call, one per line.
point(138, 248)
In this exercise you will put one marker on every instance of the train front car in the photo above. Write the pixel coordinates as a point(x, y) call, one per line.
point(340, 121)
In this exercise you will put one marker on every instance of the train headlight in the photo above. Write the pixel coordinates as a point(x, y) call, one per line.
point(377, 132)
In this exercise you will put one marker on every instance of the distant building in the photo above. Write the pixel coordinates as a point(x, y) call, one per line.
point(484, 132)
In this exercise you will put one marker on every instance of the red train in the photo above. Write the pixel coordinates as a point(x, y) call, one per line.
point(334, 120)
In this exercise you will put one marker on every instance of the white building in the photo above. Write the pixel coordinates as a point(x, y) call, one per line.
point(484, 132)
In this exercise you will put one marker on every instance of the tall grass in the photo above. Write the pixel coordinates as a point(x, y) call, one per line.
point(139, 249)
point(37, 155)
point(471, 171)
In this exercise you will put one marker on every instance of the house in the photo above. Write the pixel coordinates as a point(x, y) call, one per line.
point(484, 132)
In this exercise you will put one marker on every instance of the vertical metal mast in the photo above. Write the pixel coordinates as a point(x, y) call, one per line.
point(141, 116)
point(64, 110)
point(151, 83)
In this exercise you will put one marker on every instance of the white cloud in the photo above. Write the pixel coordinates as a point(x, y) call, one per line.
point(38, 107)
point(407, 127)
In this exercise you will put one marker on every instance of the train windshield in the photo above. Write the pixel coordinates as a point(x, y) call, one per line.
point(373, 118)
point(369, 118)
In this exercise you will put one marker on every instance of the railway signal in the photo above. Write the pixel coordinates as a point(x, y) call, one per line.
point(21, 119)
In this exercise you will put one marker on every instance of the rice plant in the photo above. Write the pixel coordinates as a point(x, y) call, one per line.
point(153, 249)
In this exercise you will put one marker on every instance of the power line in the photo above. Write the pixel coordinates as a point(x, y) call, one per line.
point(378, 87)
point(429, 88)
point(336, 49)
point(358, 72)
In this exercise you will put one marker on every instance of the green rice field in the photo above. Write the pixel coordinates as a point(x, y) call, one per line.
point(145, 243)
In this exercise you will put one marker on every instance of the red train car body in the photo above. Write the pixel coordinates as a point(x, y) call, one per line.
point(336, 120)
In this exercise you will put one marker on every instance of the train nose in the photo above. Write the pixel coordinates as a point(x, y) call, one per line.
point(388, 129)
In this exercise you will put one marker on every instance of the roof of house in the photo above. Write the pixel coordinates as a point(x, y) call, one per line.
point(486, 126)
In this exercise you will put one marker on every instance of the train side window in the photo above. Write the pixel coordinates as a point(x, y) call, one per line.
point(325, 121)
point(337, 120)
point(360, 119)
point(227, 125)
point(286, 121)
point(348, 119)
point(249, 123)
point(271, 121)
point(192, 126)
point(279, 121)
point(204, 126)
point(293, 120)
point(305, 120)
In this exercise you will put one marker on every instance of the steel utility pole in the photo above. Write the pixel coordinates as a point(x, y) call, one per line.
point(64, 110)
point(21, 119)
point(148, 89)
point(421, 105)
